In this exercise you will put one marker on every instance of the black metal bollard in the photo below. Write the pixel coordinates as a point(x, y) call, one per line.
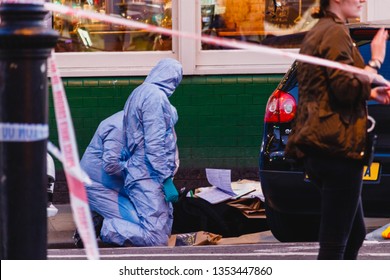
point(25, 45)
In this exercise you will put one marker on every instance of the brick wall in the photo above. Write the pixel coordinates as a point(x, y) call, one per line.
point(220, 121)
point(245, 15)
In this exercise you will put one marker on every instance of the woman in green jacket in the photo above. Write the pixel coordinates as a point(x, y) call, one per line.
point(330, 129)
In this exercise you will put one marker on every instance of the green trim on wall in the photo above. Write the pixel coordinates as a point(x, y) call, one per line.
point(220, 116)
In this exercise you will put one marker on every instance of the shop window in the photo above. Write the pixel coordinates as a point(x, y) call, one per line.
point(84, 35)
point(88, 48)
point(255, 21)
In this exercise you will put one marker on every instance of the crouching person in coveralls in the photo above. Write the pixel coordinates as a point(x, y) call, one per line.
point(102, 162)
point(135, 197)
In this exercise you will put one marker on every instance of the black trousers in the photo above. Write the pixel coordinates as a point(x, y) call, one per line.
point(342, 229)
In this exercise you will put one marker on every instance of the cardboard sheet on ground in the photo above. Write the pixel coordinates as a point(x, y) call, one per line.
point(206, 238)
point(249, 207)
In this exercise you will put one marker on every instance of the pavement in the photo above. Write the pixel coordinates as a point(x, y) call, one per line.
point(61, 228)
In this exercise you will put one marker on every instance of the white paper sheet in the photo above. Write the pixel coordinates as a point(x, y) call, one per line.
point(213, 195)
point(220, 178)
point(221, 189)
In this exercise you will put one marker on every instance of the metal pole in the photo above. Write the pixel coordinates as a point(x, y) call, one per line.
point(25, 45)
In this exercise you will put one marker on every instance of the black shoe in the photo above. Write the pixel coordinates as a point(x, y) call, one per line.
point(78, 242)
point(97, 220)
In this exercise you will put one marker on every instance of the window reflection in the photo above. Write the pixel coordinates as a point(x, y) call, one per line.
point(84, 35)
point(256, 21)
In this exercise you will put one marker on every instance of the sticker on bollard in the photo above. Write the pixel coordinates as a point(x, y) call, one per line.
point(23, 132)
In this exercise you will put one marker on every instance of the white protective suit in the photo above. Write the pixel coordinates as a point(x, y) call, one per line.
point(101, 161)
point(150, 144)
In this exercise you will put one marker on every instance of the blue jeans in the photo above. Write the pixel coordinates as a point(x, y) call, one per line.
point(342, 229)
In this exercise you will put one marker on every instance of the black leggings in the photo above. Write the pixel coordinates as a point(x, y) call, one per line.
point(342, 229)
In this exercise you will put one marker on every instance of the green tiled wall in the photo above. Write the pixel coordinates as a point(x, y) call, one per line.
point(220, 117)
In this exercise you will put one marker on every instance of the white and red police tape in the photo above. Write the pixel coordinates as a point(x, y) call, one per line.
point(206, 39)
point(34, 2)
point(69, 155)
point(75, 176)
point(214, 40)
point(70, 159)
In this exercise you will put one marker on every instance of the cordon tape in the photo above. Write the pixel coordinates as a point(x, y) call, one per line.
point(71, 162)
point(76, 177)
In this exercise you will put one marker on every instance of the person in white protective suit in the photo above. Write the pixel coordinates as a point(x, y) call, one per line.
point(103, 164)
point(150, 145)
point(143, 213)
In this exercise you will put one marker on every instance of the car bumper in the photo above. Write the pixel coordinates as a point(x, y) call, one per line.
point(289, 192)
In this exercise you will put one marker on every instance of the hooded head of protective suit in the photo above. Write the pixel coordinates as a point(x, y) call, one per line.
point(149, 120)
point(167, 75)
point(150, 143)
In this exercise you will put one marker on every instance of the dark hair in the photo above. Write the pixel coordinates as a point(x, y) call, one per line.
point(321, 11)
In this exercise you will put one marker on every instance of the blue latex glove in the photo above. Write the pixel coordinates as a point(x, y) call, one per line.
point(170, 191)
